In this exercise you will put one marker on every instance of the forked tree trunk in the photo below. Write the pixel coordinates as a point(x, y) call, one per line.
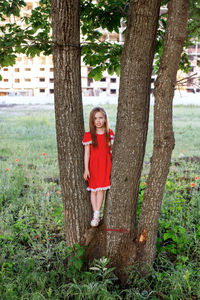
point(131, 131)
point(115, 237)
point(69, 116)
point(163, 130)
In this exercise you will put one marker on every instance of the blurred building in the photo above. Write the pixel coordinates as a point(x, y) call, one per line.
point(34, 76)
point(193, 82)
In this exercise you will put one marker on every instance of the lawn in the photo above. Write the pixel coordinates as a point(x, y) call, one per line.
point(32, 241)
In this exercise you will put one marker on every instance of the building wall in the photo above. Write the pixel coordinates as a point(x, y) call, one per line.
point(34, 76)
point(193, 83)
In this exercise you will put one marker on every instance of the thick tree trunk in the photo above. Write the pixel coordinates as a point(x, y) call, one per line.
point(69, 116)
point(131, 132)
point(163, 130)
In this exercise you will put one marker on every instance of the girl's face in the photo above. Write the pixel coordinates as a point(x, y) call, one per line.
point(99, 120)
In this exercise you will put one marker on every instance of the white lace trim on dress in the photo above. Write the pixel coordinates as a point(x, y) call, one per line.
point(99, 189)
point(87, 143)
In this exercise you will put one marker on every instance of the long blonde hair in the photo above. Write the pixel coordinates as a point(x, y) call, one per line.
point(93, 128)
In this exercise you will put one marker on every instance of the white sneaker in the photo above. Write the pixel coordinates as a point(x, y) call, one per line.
point(95, 221)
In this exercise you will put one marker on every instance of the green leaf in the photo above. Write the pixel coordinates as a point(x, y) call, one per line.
point(167, 236)
point(96, 73)
point(111, 70)
point(117, 70)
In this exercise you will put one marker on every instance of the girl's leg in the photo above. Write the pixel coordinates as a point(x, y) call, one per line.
point(100, 196)
point(96, 201)
point(93, 197)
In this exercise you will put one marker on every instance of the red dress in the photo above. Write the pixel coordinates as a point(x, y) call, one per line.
point(100, 162)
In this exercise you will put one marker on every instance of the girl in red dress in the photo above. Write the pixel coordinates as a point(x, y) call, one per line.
point(97, 159)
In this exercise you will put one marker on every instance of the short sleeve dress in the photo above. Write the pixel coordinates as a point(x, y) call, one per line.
point(100, 162)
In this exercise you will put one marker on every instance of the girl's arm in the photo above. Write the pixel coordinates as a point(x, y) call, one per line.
point(86, 162)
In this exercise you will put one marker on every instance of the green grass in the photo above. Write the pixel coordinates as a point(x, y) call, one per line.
point(32, 240)
point(23, 130)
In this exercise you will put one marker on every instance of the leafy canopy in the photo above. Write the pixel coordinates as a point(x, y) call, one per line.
point(31, 34)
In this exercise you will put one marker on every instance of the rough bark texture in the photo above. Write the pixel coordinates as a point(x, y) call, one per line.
point(163, 129)
point(69, 116)
point(131, 132)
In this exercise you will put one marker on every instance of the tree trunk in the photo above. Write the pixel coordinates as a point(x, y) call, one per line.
point(163, 130)
point(69, 116)
point(131, 132)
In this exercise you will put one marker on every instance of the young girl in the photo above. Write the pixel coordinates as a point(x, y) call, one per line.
point(97, 159)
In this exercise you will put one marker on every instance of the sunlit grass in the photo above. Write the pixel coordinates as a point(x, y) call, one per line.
point(32, 239)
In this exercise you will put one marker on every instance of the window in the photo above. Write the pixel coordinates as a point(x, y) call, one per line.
point(51, 60)
point(17, 80)
point(191, 57)
point(51, 69)
point(42, 90)
point(90, 80)
point(113, 80)
point(19, 59)
point(42, 79)
point(29, 6)
point(16, 69)
point(103, 37)
point(51, 80)
point(5, 69)
point(27, 80)
point(42, 60)
point(114, 37)
point(51, 91)
point(103, 79)
point(27, 69)
point(113, 91)
point(42, 69)
point(28, 60)
point(5, 80)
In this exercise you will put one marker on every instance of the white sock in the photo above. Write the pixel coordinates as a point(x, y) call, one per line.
point(97, 213)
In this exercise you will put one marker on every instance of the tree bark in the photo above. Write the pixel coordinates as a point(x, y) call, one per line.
point(69, 116)
point(117, 237)
point(163, 130)
point(131, 131)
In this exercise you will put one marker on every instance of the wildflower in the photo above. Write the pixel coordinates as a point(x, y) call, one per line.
point(43, 154)
point(192, 184)
point(144, 183)
point(7, 169)
point(184, 150)
point(16, 159)
point(196, 178)
point(58, 192)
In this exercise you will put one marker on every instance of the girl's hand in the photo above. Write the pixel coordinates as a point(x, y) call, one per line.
point(86, 174)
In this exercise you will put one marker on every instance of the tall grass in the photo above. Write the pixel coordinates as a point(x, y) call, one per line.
point(33, 255)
